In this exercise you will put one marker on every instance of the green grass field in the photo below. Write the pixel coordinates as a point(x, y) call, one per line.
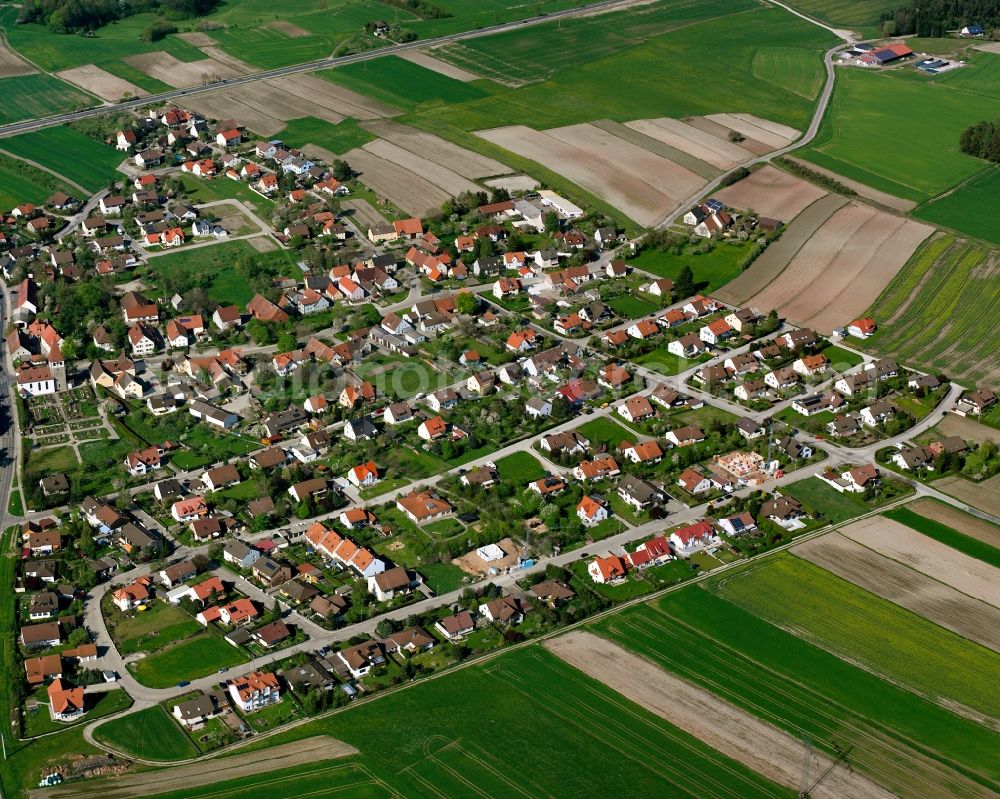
point(198, 656)
point(862, 15)
point(557, 747)
point(712, 270)
point(859, 137)
point(406, 85)
point(914, 747)
point(666, 363)
point(337, 138)
point(151, 732)
point(153, 629)
point(219, 260)
point(29, 96)
point(71, 154)
point(569, 65)
point(798, 70)
point(965, 544)
point(54, 52)
point(863, 628)
point(946, 279)
point(961, 209)
point(817, 495)
point(604, 430)
point(520, 468)
point(203, 191)
point(21, 182)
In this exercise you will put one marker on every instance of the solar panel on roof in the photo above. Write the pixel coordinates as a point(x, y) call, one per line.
point(715, 205)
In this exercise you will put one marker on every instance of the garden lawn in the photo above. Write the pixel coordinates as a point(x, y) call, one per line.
point(38, 95)
point(859, 137)
point(383, 487)
point(338, 138)
point(150, 732)
point(863, 628)
point(442, 578)
point(444, 528)
point(821, 498)
point(413, 464)
point(632, 307)
point(840, 358)
point(68, 153)
point(961, 209)
point(894, 735)
point(666, 363)
point(98, 706)
point(967, 545)
point(603, 430)
point(269, 717)
point(520, 468)
point(196, 657)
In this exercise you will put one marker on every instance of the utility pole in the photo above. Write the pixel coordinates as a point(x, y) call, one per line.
point(841, 759)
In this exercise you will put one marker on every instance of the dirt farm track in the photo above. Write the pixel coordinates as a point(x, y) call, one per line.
point(759, 746)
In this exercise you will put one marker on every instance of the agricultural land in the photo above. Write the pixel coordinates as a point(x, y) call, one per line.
point(427, 398)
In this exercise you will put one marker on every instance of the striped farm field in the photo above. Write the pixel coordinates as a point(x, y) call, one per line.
point(28, 96)
point(73, 155)
point(910, 746)
point(862, 628)
point(940, 311)
point(959, 209)
point(793, 68)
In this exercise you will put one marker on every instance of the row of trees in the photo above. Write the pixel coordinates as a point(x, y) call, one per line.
point(937, 17)
point(72, 16)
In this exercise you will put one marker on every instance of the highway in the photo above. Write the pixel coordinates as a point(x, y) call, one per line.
point(330, 62)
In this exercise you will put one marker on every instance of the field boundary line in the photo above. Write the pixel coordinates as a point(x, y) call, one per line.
point(956, 187)
point(47, 169)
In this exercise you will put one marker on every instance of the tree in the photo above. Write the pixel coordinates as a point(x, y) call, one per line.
point(466, 303)
point(342, 170)
point(87, 541)
point(551, 222)
point(485, 247)
point(684, 284)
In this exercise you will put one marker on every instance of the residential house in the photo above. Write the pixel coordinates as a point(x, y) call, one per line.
point(254, 691)
point(456, 626)
point(591, 511)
